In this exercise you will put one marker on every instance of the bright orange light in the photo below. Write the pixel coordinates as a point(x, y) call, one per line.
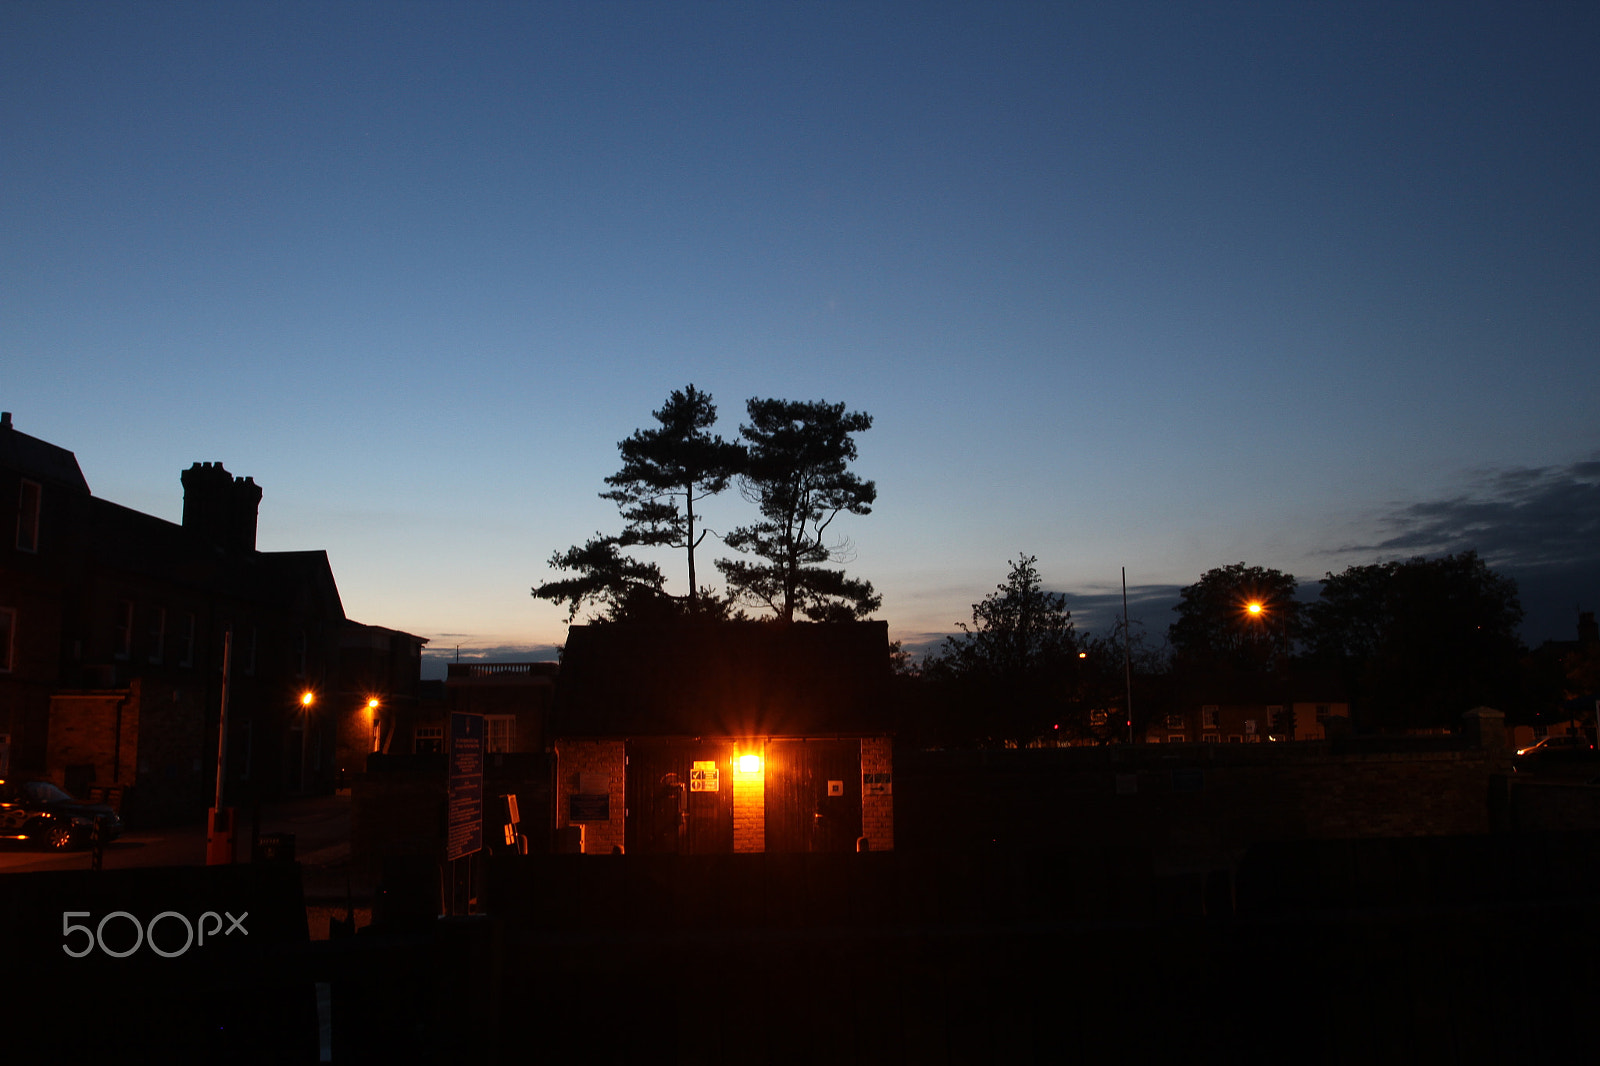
point(749, 764)
point(372, 704)
point(1083, 655)
point(307, 698)
point(1253, 607)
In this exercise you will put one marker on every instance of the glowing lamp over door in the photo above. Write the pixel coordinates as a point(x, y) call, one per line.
point(749, 764)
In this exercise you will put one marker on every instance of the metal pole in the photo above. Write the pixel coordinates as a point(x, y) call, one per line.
point(1127, 655)
point(222, 721)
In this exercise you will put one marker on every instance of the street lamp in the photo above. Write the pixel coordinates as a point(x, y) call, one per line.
point(372, 713)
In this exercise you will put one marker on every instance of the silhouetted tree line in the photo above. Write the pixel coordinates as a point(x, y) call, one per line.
point(1416, 643)
point(791, 461)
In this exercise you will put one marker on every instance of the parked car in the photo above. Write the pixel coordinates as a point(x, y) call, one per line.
point(1572, 748)
point(44, 814)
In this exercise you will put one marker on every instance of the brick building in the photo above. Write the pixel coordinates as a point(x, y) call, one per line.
point(724, 737)
point(113, 625)
point(1245, 708)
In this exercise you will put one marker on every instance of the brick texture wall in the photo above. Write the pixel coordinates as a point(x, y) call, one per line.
point(877, 798)
point(750, 806)
point(606, 759)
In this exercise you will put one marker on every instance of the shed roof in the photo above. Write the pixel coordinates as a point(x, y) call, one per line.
point(735, 679)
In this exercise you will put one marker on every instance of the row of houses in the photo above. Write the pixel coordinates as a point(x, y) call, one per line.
point(117, 627)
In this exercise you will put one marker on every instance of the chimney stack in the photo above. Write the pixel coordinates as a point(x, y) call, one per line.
point(219, 508)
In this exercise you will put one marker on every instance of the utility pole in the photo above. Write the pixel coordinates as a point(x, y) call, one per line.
point(219, 826)
point(1127, 654)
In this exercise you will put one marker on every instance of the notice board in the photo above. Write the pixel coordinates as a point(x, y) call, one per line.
point(464, 822)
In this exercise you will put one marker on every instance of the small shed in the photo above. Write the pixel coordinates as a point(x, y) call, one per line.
point(711, 737)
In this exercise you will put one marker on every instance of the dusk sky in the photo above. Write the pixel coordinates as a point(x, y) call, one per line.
point(1162, 286)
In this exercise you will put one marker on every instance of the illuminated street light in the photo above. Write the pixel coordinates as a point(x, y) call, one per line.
point(307, 698)
point(1254, 607)
point(749, 764)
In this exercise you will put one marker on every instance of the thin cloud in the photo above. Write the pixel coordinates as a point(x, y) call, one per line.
point(1524, 518)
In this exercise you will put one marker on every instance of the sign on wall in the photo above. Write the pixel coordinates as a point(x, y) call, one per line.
point(704, 776)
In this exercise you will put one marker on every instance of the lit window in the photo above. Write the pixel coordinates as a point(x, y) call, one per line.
point(500, 733)
point(428, 740)
point(28, 516)
point(1208, 716)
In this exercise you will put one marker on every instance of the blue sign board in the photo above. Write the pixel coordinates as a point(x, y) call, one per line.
point(464, 822)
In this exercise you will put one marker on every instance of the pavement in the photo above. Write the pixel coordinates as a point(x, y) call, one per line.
point(320, 825)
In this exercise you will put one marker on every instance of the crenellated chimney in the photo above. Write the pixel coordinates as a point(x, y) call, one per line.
point(220, 508)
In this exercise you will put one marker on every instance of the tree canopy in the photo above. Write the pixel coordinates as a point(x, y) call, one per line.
point(1246, 616)
point(621, 586)
point(1424, 640)
point(1016, 667)
point(797, 474)
point(667, 470)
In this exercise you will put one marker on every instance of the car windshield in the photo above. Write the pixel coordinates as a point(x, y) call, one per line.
point(44, 792)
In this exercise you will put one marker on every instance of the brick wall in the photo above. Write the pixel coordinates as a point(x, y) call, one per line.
point(750, 805)
point(606, 759)
point(877, 797)
point(1227, 796)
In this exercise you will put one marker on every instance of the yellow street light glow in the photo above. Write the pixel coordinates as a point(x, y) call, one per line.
point(1253, 607)
point(749, 764)
point(307, 698)
point(372, 704)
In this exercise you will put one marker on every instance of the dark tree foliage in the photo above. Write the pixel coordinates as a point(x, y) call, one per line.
point(1216, 625)
point(667, 470)
point(1423, 640)
point(797, 473)
point(1014, 673)
point(621, 586)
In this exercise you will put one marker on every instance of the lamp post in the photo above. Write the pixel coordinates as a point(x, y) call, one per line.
point(1258, 610)
point(308, 699)
point(373, 704)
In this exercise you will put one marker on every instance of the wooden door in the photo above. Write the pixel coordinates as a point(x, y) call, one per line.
point(671, 808)
point(813, 795)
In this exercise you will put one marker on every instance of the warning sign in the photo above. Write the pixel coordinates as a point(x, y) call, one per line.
point(705, 777)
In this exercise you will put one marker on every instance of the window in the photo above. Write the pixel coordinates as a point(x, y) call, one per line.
point(1098, 718)
point(1176, 738)
point(28, 516)
point(1212, 738)
point(1235, 738)
point(429, 740)
point(158, 633)
point(1208, 716)
point(122, 630)
point(1174, 721)
point(500, 733)
point(1281, 720)
point(8, 631)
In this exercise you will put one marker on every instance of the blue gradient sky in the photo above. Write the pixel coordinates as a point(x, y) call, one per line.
point(1157, 286)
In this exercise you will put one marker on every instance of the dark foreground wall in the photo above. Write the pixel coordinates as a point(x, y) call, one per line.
point(1458, 950)
point(175, 964)
point(1450, 950)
